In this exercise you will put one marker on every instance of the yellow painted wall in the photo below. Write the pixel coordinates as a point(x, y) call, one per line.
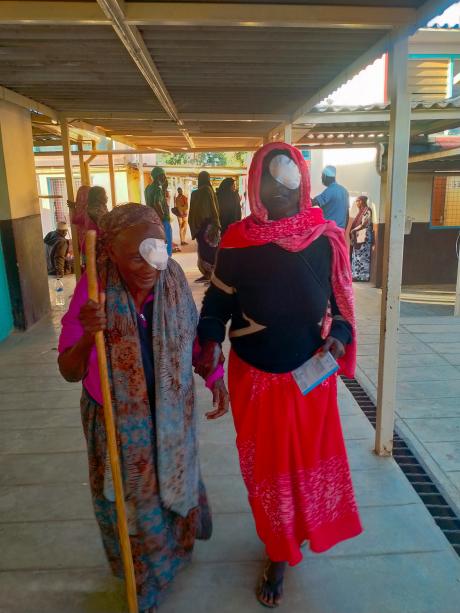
point(18, 186)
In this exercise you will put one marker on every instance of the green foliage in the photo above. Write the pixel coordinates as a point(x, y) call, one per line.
point(177, 159)
point(211, 159)
point(240, 157)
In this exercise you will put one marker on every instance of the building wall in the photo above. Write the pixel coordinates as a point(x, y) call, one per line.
point(429, 255)
point(6, 315)
point(356, 170)
point(20, 223)
point(18, 162)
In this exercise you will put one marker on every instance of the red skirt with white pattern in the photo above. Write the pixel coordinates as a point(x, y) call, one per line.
point(293, 461)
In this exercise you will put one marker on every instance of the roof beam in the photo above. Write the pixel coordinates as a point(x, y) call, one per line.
point(378, 116)
point(153, 149)
point(9, 95)
point(52, 13)
point(152, 116)
point(132, 40)
point(427, 11)
point(207, 14)
point(265, 15)
point(436, 155)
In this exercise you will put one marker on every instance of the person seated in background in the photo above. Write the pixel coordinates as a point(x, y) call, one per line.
point(334, 200)
point(56, 249)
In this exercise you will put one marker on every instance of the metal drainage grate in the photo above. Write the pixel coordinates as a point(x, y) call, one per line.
point(422, 483)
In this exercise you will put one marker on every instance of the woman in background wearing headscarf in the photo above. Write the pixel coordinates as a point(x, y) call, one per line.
point(205, 224)
point(156, 198)
point(361, 241)
point(86, 213)
point(283, 278)
point(229, 203)
point(149, 318)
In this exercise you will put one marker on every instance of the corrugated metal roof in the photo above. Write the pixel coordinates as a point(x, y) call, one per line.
point(451, 103)
point(445, 26)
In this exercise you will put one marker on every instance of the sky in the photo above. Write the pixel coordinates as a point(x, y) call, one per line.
point(367, 87)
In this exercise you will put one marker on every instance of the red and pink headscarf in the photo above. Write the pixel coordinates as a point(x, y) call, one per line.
point(295, 234)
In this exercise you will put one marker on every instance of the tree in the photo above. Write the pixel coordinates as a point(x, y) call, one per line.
point(211, 159)
point(177, 159)
point(240, 157)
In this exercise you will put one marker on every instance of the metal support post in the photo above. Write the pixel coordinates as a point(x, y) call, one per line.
point(140, 163)
point(395, 215)
point(70, 191)
point(288, 133)
point(113, 194)
point(457, 291)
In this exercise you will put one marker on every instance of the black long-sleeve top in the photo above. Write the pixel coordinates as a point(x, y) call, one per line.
point(276, 300)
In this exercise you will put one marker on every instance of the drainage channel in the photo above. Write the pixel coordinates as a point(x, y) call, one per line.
point(422, 483)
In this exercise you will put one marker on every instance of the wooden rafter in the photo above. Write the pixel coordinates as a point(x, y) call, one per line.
point(209, 14)
point(134, 43)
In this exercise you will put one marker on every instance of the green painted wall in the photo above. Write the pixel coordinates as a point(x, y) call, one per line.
point(6, 316)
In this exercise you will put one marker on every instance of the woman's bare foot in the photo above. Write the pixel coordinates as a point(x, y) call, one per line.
point(270, 590)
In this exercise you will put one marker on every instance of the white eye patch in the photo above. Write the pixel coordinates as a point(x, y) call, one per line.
point(154, 252)
point(285, 171)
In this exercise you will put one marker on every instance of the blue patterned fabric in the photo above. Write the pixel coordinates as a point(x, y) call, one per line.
point(165, 498)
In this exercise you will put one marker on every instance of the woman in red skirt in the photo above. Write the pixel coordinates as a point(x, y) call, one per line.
point(283, 279)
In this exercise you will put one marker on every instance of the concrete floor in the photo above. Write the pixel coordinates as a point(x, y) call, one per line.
point(428, 393)
point(52, 559)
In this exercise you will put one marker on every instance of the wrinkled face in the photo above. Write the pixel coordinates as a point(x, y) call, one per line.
point(280, 186)
point(124, 253)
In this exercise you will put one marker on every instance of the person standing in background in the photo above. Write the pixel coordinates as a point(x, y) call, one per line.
point(86, 212)
point(334, 200)
point(181, 212)
point(229, 203)
point(361, 238)
point(205, 225)
point(155, 198)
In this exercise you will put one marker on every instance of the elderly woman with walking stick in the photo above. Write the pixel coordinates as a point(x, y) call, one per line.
point(149, 318)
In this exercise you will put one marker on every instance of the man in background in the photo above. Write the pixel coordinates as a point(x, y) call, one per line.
point(181, 212)
point(57, 248)
point(156, 198)
point(334, 200)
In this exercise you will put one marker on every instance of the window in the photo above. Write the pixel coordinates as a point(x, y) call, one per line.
point(429, 77)
point(58, 192)
point(445, 202)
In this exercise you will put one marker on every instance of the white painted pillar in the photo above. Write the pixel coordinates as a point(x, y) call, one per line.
point(395, 215)
point(288, 133)
point(457, 293)
point(140, 165)
point(70, 192)
point(113, 192)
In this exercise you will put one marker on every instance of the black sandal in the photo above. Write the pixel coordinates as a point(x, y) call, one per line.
point(276, 587)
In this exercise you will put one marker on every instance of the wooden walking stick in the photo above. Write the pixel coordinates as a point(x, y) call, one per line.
point(93, 294)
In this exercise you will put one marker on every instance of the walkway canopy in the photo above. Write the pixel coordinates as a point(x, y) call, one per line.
point(197, 76)
point(192, 75)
